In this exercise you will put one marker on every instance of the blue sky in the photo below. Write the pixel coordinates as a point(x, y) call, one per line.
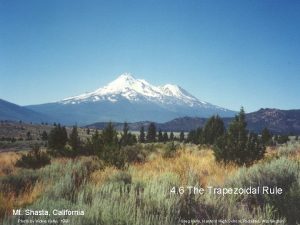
point(229, 53)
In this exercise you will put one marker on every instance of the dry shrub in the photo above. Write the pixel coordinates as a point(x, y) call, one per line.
point(7, 162)
point(100, 176)
point(290, 150)
point(10, 200)
point(30, 195)
point(201, 163)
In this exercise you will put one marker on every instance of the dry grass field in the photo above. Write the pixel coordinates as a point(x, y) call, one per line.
point(19, 136)
point(140, 194)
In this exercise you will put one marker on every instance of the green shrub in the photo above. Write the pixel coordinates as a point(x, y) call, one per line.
point(282, 139)
point(92, 164)
point(282, 173)
point(149, 147)
point(289, 149)
point(75, 176)
point(35, 159)
point(134, 153)
point(113, 155)
point(32, 161)
point(169, 150)
point(65, 151)
point(121, 177)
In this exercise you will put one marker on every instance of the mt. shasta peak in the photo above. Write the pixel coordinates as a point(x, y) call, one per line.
point(134, 90)
point(130, 99)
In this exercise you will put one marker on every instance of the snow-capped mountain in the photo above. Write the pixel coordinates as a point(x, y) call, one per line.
point(135, 90)
point(130, 99)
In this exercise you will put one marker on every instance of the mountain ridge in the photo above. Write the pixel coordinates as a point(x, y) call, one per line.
point(282, 122)
point(276, 120)
point(11, 111)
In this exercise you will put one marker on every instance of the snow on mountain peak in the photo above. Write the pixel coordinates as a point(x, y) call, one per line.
point(124, 78)
point(126, 75)
point(127, 86)
point(170, 89)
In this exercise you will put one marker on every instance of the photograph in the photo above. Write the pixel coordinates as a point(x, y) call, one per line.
point(149, 112)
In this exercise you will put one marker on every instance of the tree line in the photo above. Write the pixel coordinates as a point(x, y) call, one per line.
point(234, 144)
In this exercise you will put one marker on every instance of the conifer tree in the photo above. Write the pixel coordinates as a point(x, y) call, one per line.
point(195, 136)
point(237, 144)
point(213, 129)
point(28, 135)
point(95, 144)
point(160, 137)
point(58, 137)
point(125, 129)
point(109, 135)
point(74, 139)
point(127, 137)
point(181, 136)
point(266, 137)
point(111, 152)
point(191, 137)
point(171, 136)
point(151, 134)
point(44, 136)
point(142, 135)
point(165, 137)
point(64, 135)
